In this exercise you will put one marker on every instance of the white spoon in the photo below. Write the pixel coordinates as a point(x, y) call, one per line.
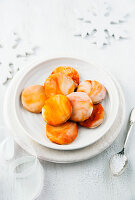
point(119, 161)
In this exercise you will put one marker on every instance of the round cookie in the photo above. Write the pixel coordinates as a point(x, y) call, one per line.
point(58, 83)
point(33, 98)
point(96, 117)
point(62, 134)
point(57, 110)
point(69, 71)
point(95, 90)
point(81, 106)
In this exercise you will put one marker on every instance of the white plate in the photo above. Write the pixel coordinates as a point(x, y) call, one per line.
point(57, 156)
point(33, 124)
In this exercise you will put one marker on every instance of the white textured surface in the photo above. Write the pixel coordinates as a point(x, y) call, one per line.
point(50, 24)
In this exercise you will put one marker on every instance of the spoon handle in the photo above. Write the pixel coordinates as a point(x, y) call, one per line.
point(128, 133)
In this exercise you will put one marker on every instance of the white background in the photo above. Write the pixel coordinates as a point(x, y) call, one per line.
point(50, 24)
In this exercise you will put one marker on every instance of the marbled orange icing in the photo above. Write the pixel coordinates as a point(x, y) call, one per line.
point(96, 117)
point(59, 83)
point(57, 110)
point(62, 134)
point(69, 71)
point(95, 90)
point(33, 98)
point(82, 106)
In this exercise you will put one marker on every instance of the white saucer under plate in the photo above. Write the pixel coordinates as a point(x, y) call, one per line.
point(33, 125)
point(57, 156)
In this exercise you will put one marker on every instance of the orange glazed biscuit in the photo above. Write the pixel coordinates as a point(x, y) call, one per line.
point(81, 105)
point(58, 84)
point(63, 134)
point(57, 110)
point(96, 118)
point(69, 71)
point(33, 98)
point(95, 90)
